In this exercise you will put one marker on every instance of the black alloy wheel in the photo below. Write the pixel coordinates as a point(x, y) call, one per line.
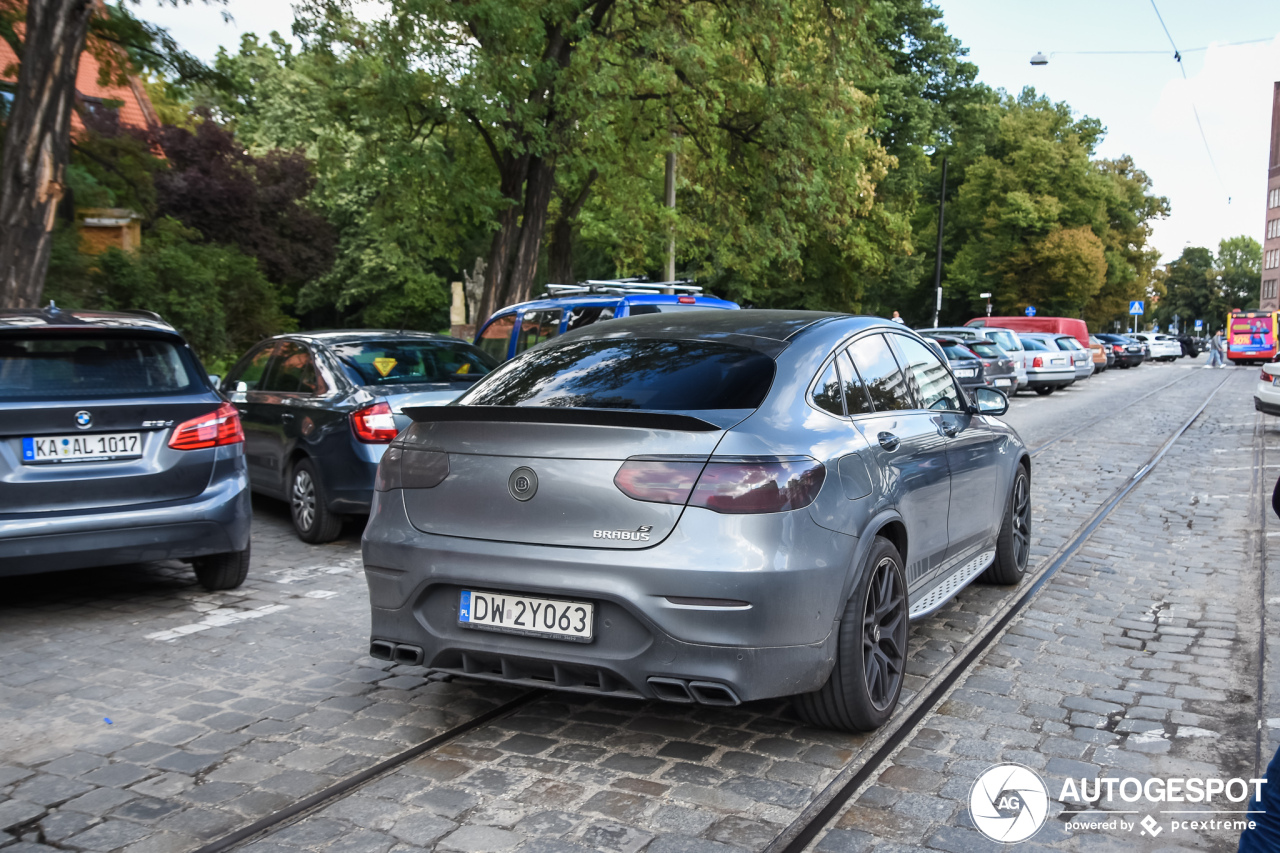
point(862, 690)
point(884, 622)
point(1013, 543)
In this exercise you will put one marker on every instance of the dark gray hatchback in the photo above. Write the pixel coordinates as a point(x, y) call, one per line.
point(115, 448)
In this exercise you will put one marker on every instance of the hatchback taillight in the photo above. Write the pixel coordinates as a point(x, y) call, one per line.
point(374, 424)
point(734, 486)
point(1037, 362)
point(219, 427)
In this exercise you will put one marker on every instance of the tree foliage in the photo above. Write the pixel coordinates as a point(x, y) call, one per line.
point(1200, 286)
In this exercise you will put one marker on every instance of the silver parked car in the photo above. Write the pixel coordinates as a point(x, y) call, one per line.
point(1006, 339)
point(707, 507)
point(1048, 367)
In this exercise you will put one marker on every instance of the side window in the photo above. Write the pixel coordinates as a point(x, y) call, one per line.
point(856, 401)
point(536, 327)
point(588, 314)
point(884, 382)
point(293, 371)
point(496, 337)
point(827, 394)
point(250, 370)
point(933, 382)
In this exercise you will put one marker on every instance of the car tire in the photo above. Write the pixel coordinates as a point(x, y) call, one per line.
point(308, 505)
point(862, 691)
point(1044, 390)
point(1013, 542)
point(222, 571)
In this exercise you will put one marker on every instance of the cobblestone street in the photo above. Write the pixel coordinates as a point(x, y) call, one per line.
point(144, 714)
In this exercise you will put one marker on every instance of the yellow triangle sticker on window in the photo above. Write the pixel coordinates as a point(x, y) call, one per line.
point(384, 365)
point(466, 368)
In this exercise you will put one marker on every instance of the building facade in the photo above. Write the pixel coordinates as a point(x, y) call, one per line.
point(1270, 300)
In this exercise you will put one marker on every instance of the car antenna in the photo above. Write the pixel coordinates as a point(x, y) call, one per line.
point(404, 316)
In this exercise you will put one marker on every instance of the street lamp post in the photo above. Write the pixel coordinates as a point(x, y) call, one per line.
point(987, 296)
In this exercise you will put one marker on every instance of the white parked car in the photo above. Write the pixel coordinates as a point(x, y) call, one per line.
point(1266, 396)
point(1163, 347)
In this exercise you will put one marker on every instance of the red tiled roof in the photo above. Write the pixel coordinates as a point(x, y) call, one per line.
point(135, 109)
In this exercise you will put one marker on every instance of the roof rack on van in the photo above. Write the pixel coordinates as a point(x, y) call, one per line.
point(622, 286)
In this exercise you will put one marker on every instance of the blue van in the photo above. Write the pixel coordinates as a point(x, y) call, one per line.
point(563, 308)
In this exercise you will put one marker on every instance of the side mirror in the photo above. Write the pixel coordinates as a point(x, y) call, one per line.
point(989, 401)
point(215, 380)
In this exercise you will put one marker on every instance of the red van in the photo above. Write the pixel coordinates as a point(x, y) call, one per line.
point(1053, 325)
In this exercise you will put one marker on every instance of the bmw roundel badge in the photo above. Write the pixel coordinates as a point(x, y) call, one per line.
point(84, 420)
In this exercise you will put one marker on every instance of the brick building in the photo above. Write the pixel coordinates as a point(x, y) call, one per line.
point(1270, 300)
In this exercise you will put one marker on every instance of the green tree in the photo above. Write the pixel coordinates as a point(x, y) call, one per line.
point(1040, 222)
point(1191, 291)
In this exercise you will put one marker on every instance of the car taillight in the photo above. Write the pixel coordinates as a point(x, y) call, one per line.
point(1265, 377)
point(374, 424)
point(687, 300)
point(1037, 362)
point(657, 481)
point(736, 486)
point(217, 428)
point(408, 468)
point(1118, 347)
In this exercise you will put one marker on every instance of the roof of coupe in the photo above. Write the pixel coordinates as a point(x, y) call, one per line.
point(733, 326)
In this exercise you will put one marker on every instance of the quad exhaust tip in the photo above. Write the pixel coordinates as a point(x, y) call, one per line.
point(689, 692)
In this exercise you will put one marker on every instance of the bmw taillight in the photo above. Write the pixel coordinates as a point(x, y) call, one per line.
point(374, 424)
point(1265, 377)
point(1037, 362)
point(732, 486)
point(219, 427)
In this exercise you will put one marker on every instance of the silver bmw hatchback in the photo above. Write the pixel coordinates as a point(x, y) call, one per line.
point(709, 507)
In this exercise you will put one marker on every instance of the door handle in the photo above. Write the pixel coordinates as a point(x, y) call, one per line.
point(889, 441)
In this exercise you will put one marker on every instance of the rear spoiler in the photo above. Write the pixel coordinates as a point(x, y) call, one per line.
point(555, 415)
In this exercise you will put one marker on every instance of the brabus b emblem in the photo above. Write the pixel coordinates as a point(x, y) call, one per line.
point(84, 420)
point(523, 484)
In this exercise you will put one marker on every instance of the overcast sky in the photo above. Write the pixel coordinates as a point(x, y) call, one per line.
point(1142, 99)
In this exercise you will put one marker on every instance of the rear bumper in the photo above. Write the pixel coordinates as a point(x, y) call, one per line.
point(215, 522)
point(791, 573)
point(1041, 378)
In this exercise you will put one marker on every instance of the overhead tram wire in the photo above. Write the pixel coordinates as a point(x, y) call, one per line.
point(1177, 56)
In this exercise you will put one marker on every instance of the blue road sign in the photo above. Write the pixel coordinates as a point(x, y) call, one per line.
point(1199, 325)
point(1031, 310)
point(1135, 307)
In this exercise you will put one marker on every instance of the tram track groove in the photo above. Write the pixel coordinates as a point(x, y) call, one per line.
point(297, 811)
point(826, 806)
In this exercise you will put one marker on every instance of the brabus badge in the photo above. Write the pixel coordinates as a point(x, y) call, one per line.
point(640, 534)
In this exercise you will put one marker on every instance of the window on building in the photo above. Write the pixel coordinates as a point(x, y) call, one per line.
point(1273, 198)
point(1272, 259)
point(100, 107)
point(1273, 228)
point(1269, 289)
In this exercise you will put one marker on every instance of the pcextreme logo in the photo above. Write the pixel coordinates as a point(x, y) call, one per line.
point(1009, 803)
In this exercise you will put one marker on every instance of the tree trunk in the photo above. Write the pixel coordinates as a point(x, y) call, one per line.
point(560, 254)
point(496, 279)
point(37, 144)
point(537, 201)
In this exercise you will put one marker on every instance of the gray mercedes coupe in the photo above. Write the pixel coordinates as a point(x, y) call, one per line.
point(709, 507)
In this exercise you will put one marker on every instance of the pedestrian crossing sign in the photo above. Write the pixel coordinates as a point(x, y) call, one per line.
point(1135, 306)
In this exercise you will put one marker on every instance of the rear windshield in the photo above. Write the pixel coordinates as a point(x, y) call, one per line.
point(48, 367)
point(957, 352)
point(1035, 345)
point(656, 375)
point(413, 362)
point(1068, 344)
point(1007, 340)
point(986, 350)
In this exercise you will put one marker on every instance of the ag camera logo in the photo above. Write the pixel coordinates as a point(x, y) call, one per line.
point(1009, 803)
